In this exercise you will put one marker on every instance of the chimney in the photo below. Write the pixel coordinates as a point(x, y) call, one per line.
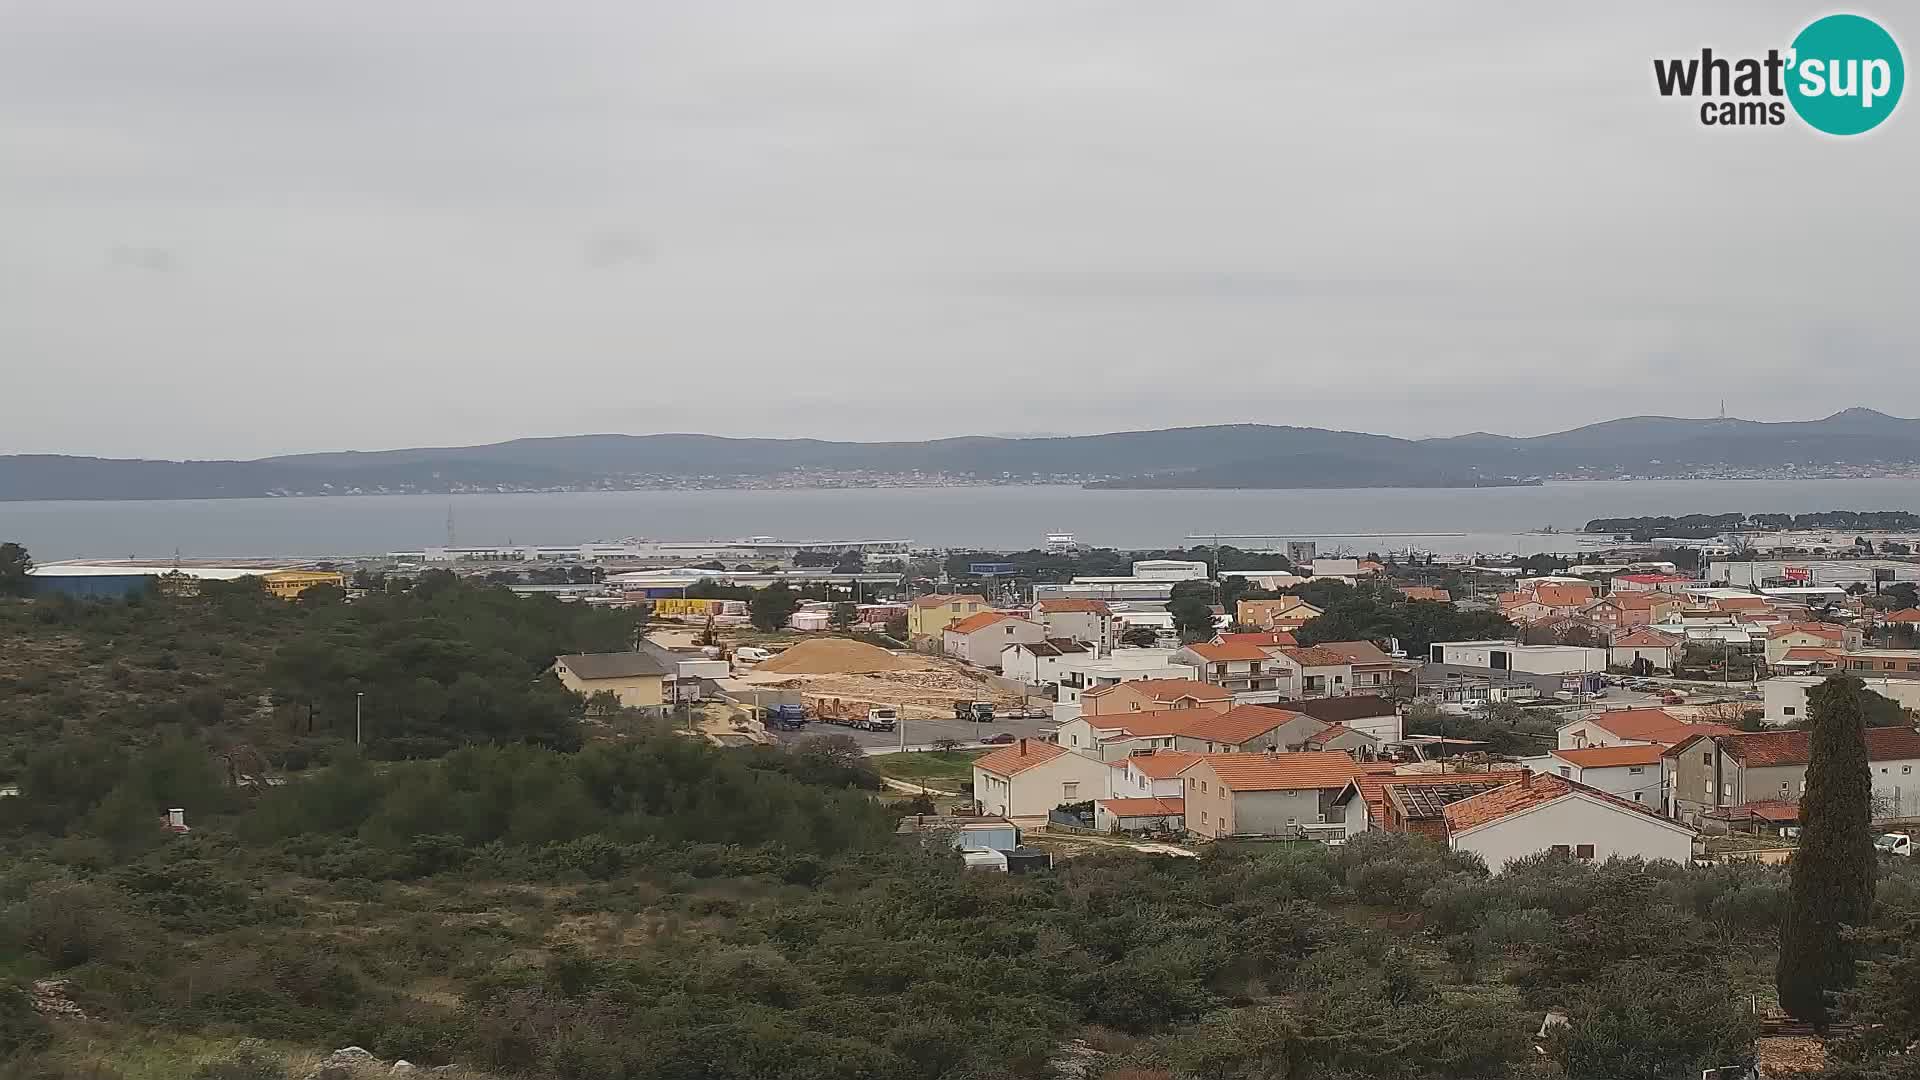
point(1023, 748)
point(176, 818)
point(1526, 777)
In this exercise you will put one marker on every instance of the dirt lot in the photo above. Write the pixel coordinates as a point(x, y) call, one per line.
point(926, 692)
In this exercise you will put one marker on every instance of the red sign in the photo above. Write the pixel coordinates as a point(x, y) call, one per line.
point(1798, 573)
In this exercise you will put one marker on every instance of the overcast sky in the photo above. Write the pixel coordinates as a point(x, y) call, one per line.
point(235, 228)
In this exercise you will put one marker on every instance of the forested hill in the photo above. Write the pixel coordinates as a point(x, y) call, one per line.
point(1224, 456)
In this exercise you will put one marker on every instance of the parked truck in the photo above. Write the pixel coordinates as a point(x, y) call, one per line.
point(858, 715)
point(979, 712)
point(787, 717)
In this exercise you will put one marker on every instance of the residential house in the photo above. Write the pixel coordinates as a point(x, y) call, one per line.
point(1626, 610)
point(1648, 583)
point(1803, 661)
point(1359, 744)
point(1370, 713)
point(1712, 772)
point(1890, 663)
point(1631, 727)
point(1563, 598)
point(1039, 663)
point(1373, 670)
point(1152, 773)
point(1783, 637)
point(1086, 672)
point(1315, 671)
point(1658, 651)
point(1384, 801)
point(1265, 794)
point(1089, 622)
point(1145, 695)
point(1423, 592)
point(929, 615)
point(1116, 736)
point(1246, 671)
point(979, 639)
point(1247, 729)
point(1553, 813)
point(1139, 815)
point(1281, 613)
point(1029, 778)
point(1632, 771)
point(637, 679)
point(1784, 697)
point(1521, 608)
point(1266, 639)
point(1909, 617)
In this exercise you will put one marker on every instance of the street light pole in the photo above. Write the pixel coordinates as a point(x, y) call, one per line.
point(358, 697)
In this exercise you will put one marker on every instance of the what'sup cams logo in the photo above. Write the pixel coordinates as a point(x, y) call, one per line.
point(1843, 76)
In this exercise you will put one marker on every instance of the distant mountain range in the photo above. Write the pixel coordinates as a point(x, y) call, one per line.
point(1224, 456)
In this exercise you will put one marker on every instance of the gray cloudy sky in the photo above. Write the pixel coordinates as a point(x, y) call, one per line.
point(235, 227)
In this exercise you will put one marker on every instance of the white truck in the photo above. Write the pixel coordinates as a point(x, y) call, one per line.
point(1894, 843)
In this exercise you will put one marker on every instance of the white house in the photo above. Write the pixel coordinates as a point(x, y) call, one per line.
point(1552, 813)
point(1784, 697)
point(1630, 727)
point(1156, 773)
point(1030, 777)
point(1250, 673)
point(978, 639)
point(1089, 622)
point(1632, 771)
point(1313, 672)
point(1038, 663)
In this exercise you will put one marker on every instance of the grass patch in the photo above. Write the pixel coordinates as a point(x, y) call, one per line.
point(930, 766)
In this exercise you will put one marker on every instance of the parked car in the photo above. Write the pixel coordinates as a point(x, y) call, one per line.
point(1001, 739)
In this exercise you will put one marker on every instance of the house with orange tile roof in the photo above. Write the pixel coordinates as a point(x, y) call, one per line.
point(1635, 772)
point(1265, 794)
point(1539, 813)
point(1807, 661)
point(927, 616)
point(1147, 695)
point(1903, 617)
point(1089, 622)
point(1731, 769)
point(980, 638)
point(1425, 592)
point(1266, 639)
point(1314, 671)
point(1373, 670)
point(1621, 727)
point(1624, 610)
point(1243, 669)
point(1114, 736)
point(1028, 778)
point(1413, 802)
point(1651, 583)
point(1782, 637)
point(1341, 737)
point(1660, 651)
point(1152, 773)
point(1281, 613)
point(1139, 815)
point(1248, 729)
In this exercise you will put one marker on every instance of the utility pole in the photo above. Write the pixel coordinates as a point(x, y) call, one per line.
point(359, 697)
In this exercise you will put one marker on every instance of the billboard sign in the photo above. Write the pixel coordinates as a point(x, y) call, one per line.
point(1798, 573)
point(992, 569)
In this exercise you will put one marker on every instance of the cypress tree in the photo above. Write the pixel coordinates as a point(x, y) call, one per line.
point(1832, 873)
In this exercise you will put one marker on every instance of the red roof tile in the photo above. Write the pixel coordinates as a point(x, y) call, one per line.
point(1259, 637)
point(1148, 807)
point(1161, 764)
point(1019, 756)
point(1097, 607)
point(1317, 769)
point(1207, 650)
point(1314, 656)
point(1763, 749)
point(1904, 615)
point(1238, 724)
point(1644, 638)
point(1652, 725)
point(979, 621)
point(1374, 784)
point(1356, 652)
point(1525, 794)
point(1822, 630)
point(1165, 690)
point(1602, 757)
point(1808, 652)
point(1423, 592)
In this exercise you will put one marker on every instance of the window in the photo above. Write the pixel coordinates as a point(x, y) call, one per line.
point(1634, 770)
point(1707, 759)
point(1203, 787)
point(1584, 852)
point(1637, 796)
point(1562, 849)
point(1788, 710)
point(1223, 794)
point(1069, 792)
point(1203, 817)
point(1566, 772)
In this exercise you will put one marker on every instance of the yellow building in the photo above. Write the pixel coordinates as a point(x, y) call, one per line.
point(287, 584)
point(929, 615)
point(637, 679)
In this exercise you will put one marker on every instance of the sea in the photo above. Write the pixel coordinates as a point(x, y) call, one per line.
point(1521, 520)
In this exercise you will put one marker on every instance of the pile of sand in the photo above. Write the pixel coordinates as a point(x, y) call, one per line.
point(833, 656)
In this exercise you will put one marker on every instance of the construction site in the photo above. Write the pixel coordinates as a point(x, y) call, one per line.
point(838, 674)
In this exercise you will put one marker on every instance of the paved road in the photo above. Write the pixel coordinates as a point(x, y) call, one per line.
point(922, 734)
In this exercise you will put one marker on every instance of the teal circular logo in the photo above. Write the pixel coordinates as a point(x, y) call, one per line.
point(1845, 75)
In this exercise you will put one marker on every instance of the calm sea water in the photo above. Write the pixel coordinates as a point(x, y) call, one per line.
point(1474, 520)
